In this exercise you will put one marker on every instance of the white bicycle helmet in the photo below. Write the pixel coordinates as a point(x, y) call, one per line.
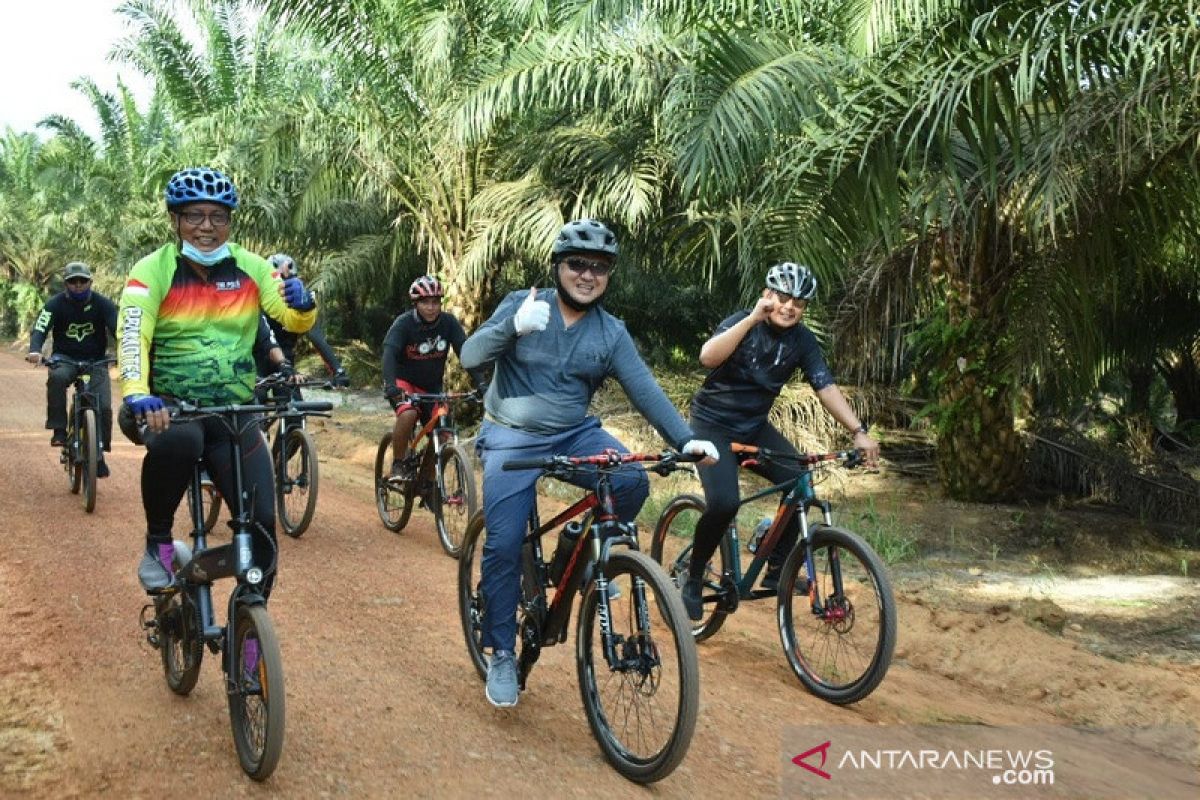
point(794, 279)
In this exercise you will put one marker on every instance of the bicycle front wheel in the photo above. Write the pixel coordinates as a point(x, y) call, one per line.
point(393, 496)
point(210, 503)
point(672, 548)
point(89, 454)
point(180, 641)
point(838, 625)
point(256, 693)
point(641, 689)
point(455, 501)
point(295, 457)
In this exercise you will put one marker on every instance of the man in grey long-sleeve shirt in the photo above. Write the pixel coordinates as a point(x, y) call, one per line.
point(552, 350)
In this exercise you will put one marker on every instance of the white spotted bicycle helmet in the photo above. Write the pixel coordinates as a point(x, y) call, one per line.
point(794, 279)
point(281, 260)
point(585, 236)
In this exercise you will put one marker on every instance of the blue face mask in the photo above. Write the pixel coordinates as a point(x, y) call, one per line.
point(205, 258)
point(79, 297)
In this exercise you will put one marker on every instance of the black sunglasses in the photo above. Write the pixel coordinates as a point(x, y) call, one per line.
point(582, 265)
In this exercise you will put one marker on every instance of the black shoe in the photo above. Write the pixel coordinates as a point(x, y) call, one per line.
point(102, 469)
point(693, 599)
point(59, 439)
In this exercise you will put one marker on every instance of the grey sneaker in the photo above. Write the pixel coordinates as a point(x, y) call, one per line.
point(153, 574)
point(502, 687)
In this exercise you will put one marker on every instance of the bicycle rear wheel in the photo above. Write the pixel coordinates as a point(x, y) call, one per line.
point(672, 548)
point(470, 591)
point(455, 502)
point(256, 693)
point(840, 650)
point(295, 480)
point(180, 641)
point(89, 454)
point(641, 708)
point(393, 497)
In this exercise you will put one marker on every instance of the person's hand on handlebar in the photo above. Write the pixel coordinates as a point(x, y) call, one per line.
point(702, 447)
point(150, 411)
point(868, 447)
point(395, 396)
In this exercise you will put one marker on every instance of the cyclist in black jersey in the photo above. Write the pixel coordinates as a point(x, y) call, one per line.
point(752, 355)
point(80, 321)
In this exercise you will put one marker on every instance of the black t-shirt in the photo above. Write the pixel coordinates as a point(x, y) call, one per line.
point(416, 352)
point(738, 395)
point(80, 330)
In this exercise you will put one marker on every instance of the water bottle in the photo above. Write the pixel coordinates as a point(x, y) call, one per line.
point(760, 531)
point(562, 553)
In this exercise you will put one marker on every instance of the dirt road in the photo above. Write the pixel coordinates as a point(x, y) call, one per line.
point(382, 700)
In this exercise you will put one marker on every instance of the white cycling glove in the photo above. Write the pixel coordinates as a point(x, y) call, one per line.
point(533, 315)
point(702, 447)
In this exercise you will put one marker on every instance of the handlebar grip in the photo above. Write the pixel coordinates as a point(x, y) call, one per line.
point(313, 405)
point(525, 463)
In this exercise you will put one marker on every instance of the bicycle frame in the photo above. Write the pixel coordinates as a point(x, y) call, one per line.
point(798, 496)
point(440, 429)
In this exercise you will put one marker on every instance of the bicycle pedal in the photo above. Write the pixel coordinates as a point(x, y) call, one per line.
point(150, 626)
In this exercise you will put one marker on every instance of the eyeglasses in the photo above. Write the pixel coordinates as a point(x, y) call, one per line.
point(582, 265)
point(218, 219)
point(429, 301)
point(784, 298)
point(78, 281)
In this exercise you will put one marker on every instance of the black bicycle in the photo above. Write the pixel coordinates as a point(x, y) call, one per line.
point(634, 653)
point(183, 620)
point(81, 451)
point(295, 457)
point(450, 494)
point(838, 641)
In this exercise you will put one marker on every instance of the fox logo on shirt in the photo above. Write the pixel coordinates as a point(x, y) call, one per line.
point(80, 330)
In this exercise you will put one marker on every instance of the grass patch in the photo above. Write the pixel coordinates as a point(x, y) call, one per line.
point(892, 539)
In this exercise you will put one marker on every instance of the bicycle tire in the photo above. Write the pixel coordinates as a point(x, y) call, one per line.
point(394, 503)
point(89, 455)
point(640, 677)
point(257, 716)
point(843, 682)
point(295, 489)
point(70, 456)
point(454, 499)
point(470, 592)
point(180, 641)
point(671, 547)
point(210, 503)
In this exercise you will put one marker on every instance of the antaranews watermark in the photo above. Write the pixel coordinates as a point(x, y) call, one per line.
point(981, 762)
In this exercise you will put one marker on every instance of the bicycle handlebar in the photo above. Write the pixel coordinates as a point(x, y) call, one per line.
point(186, 409)
point(747, 452)
point(55, 360)
point(666, 461)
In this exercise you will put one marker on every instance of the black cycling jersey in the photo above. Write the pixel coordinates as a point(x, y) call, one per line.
point(81, 329)
point(416, 351)
point(738, 395)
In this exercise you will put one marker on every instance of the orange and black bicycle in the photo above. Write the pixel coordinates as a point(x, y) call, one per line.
point(439, 474)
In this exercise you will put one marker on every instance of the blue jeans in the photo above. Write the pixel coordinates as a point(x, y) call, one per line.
point(508, 498)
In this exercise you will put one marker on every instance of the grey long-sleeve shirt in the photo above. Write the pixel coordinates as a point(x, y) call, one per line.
point(544, 381)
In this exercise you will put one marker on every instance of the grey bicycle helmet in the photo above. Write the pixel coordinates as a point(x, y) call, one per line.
point(585, 236)
point(281, 260)
point(200, 185)
point(794, 279)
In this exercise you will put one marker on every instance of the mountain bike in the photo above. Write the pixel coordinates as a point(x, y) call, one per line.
point(183, 619)
point(839, 641)
point(634, 655)
point(294, 456)
point(450, 495)
point(81, 452)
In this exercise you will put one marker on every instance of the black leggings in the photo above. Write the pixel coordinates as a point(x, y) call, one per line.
point(167, 471)
point(721, 493)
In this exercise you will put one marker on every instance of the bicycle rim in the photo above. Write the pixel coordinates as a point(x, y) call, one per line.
point(455, 501)
point(840, 651)
point(180, 642)
point(642, 708)
point(296, 482)
point(393, 499)
point(89, 454)
point(470, 592)
point(672, 549)
point(256, 712)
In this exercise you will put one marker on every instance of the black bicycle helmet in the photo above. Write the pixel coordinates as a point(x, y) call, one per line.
point(200, 185)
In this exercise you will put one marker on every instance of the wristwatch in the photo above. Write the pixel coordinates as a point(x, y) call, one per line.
point(862, 428)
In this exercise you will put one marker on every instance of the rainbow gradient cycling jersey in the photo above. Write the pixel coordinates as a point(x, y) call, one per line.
point(191, 337)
